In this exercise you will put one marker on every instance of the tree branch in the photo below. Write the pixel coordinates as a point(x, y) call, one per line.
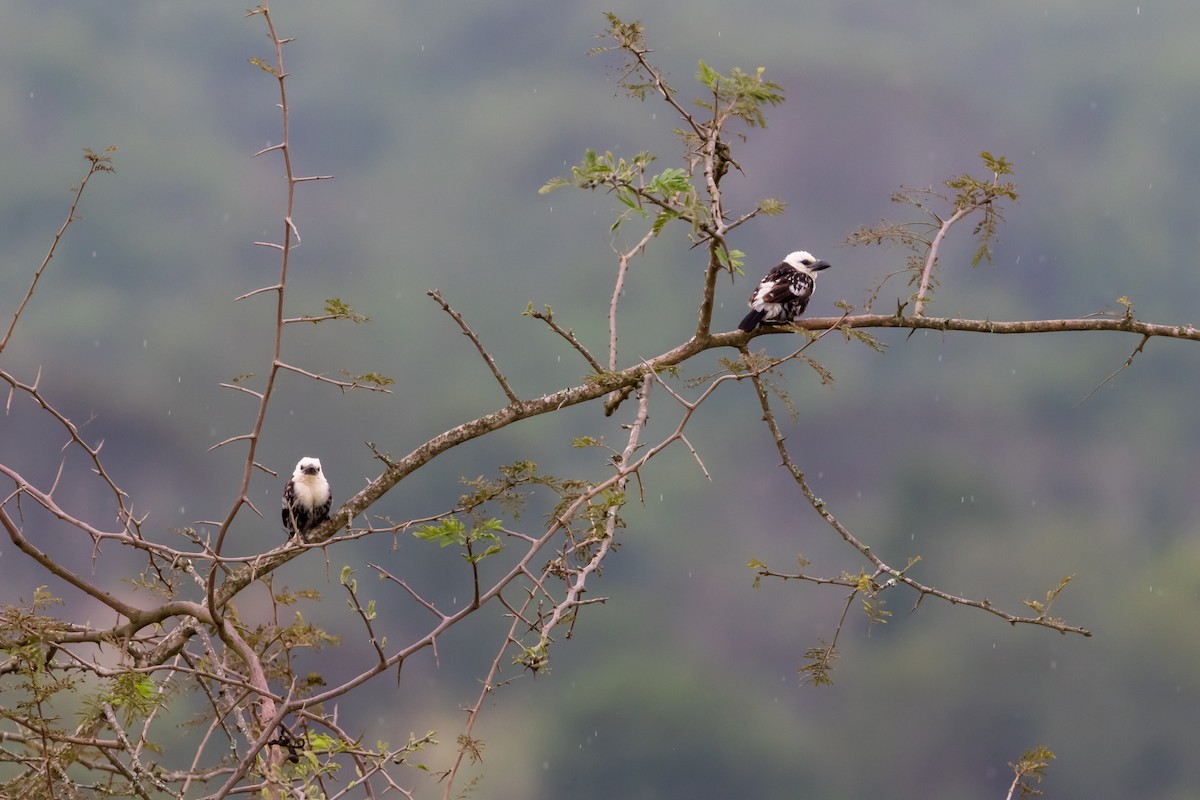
point(470, 334)
point(97, 163)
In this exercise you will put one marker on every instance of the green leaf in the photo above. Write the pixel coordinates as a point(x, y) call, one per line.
point(555, 183)
point(771, 207)
point(449, 531)
point(340, 309)
point(731, 260)
point(382, 381)
point(670, 181)
point(324, 743)
point(707, 75)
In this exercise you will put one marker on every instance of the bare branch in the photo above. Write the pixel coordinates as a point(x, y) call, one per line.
point(96, 163)
point(1128, 363)
point(865, 550)
point(623, 259)
point(548, 317)
point(470, 334)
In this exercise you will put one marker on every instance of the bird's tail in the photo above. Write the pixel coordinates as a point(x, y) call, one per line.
point(751, 320)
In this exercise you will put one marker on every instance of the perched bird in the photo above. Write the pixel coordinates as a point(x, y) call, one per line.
point(306, 498)
point(783, 294)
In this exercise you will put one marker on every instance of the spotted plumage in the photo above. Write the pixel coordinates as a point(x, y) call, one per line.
point(783, 293)
point(306, 498)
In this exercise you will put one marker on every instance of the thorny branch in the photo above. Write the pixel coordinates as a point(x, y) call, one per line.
point(96, 163)
point(238, 670)
point(895, 576)
point(483, 353)
point(547, 316)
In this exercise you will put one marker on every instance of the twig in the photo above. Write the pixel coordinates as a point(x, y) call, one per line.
point(931, 257)
point(470, 334)
point(366, 617)
point(343, 385)
point(548, 317)
point(865, 550)
point(623, 259)
point(1118, 371)
point(96, 163)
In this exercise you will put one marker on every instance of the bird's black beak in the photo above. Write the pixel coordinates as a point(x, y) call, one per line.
point(310, 470)
point(820, 265)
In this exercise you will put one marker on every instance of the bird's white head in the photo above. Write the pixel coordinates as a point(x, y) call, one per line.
point(805, 262)
point(307, 466)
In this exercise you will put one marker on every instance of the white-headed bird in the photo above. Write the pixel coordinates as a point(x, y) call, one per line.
point(306, 498)
point(783, 293)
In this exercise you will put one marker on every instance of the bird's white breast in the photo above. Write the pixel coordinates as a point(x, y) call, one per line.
point(311, 490)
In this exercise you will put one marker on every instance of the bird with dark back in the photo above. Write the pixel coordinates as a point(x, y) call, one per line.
point(306, 498)
point(782, 295)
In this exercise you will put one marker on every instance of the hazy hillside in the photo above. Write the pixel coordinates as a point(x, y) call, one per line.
point(980, 454)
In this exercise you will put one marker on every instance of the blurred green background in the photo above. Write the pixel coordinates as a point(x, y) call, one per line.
point(440, 121)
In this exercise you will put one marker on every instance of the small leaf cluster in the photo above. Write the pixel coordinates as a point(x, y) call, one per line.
point(452, 531)
point(336, 308)
point(820, 665)
point(739, 94)
point(967, 196)
point(668, 194)
point(975, 194)
point(1033, 765)
point(1042, 608)
point(509, 490)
